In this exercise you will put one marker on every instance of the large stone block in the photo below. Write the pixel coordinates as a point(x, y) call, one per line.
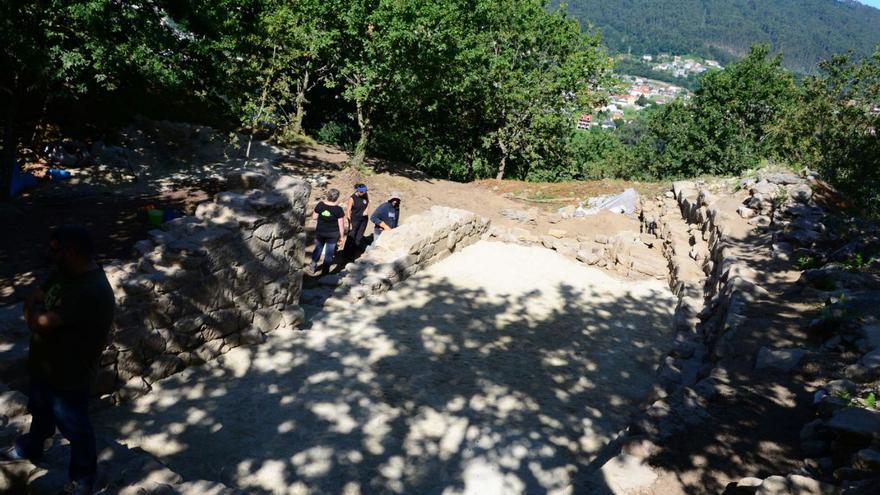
point(129, 365)
point(267, 319)
point(211, 350)
point(207, 279)
point(165, 365)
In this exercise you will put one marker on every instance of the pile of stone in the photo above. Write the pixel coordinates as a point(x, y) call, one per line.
point(529, 216)
point(843, 442)
point(421, 241)
point(793, 484)
point(786, 201)
point(207, 283)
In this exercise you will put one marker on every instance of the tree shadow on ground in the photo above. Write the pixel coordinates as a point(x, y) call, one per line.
point(148, 337)
point(445, 390)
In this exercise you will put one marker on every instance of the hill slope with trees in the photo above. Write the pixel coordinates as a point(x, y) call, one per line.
point(805, 31)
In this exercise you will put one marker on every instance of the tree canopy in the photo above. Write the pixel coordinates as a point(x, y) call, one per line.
point(475, 88)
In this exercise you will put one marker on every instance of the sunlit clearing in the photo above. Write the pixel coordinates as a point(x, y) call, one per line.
point(313, 462)
point(337, 414)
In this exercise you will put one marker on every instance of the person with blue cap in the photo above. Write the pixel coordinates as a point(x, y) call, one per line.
point(356, 215)
point(387, 215)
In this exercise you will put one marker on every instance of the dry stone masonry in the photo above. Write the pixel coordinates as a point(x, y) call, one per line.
point(732, 250)
point(206, 283)
point(625, 253)
point(231, 273)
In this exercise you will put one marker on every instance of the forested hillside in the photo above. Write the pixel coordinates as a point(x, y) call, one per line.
point(461, 89)
point(805, 31)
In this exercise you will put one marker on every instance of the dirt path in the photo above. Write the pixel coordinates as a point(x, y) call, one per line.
point(502, 369)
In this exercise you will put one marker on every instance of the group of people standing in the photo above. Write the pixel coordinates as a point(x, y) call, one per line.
point(343, 227)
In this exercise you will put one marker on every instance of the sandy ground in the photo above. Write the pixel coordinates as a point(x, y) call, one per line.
point(180, 171)
point(488, 198)
point(502, 369)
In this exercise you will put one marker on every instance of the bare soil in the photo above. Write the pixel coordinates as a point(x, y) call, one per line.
point(180, 176)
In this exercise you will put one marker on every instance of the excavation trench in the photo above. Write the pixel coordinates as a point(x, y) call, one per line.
point(501, 369)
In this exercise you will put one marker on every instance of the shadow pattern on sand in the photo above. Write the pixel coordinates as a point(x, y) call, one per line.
point(445, 390)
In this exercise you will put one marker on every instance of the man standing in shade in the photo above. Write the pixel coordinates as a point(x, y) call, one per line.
point(387, 215)
point(70, 319)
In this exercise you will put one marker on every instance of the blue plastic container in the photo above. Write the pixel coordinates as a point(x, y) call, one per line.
point(59, 174)
point(169, 215)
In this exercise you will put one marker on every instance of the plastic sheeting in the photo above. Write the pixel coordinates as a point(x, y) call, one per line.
point(624, 203)
point(20, 181)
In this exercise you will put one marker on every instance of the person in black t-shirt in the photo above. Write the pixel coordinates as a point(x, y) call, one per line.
point(356, 214)
point(70, 319)
point(329, 230)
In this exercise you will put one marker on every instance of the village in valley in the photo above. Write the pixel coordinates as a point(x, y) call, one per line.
point(635, 93)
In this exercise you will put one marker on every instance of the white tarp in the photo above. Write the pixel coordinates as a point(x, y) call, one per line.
point(624, 202)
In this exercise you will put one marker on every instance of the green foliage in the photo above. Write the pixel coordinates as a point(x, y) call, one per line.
point(336, 134)
point(845, 395)
point(806, 30)
point(598, 154)
point(807, 262)
point(723, 129)
point(491, 87)
point(71, 48)
point(833, 128)
point(858, 262)
point(466, 88)
point(869, 401)
point(462, 88)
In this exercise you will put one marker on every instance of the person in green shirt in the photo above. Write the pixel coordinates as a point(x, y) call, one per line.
point(70, 319)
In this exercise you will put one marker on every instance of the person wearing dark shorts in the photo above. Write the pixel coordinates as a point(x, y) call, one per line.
point(356, 214)
point(70, 319)
point(329, 230)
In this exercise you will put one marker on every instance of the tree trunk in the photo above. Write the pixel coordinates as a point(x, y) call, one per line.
point(503, 163)
point(7, 158)
point(256, 121)
point(300, 104)
point(469, 171)
point(360, 151)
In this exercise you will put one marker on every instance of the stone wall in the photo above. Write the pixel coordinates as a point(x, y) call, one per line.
point(721, 342)
point(712, 293)
point(711, 305)
point(627, 253)
point(204, 284)
point(422, 240)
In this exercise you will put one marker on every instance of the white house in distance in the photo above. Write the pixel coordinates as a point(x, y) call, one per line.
point(585, 122)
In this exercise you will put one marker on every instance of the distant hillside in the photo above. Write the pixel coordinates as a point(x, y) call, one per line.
point(806, 31)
